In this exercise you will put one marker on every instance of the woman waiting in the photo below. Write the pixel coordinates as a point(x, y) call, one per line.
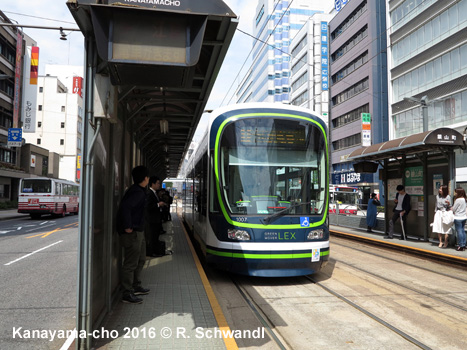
point(443, 203)
point(372, 212)
point(460, 217)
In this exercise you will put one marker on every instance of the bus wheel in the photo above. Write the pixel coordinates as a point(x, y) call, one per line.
point(35, 216)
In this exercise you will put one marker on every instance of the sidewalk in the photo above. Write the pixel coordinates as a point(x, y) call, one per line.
point(429, 248)
point(11, 214)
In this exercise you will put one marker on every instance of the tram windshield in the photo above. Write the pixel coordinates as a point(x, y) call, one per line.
point(268, 165)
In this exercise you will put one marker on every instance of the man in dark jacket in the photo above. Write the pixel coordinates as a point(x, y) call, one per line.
point(401, 210)
point(130, 226)
point(154, 206)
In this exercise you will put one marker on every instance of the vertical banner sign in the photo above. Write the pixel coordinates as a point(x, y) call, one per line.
point(324, 57)
point(30, 89)
point(366, 129)
point(337, 5)
point(78, 86)
point(78, 167)
point(19, 52)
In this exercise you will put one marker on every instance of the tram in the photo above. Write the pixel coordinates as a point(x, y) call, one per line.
point(256, 195)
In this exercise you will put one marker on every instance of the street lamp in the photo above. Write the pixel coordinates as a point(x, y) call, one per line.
point(424, 104)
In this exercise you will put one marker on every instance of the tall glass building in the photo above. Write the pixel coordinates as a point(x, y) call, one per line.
point(275, 24)
point(428, 64)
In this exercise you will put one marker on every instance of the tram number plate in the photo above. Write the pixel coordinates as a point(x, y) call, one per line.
point(241, 219)
point(315, 255)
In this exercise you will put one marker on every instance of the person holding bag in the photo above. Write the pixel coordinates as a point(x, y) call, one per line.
point(459, 210)
point(442, 223)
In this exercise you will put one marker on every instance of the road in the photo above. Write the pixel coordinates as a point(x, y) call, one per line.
point(38, 271)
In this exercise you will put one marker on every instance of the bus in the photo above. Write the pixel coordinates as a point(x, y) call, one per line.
point(346, 198)
point(260, 180)
point(43, 195)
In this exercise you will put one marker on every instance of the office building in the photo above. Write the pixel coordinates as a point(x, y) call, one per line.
point(358, 85)
point(275, 24)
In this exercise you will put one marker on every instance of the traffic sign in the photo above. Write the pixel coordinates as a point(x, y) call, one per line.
point(15, 137)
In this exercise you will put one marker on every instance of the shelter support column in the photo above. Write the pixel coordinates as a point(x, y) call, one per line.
point(386, 198)
point(84, 306)
point(426, 225)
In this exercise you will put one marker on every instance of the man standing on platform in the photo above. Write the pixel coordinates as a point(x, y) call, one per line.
point(130, 226)
point(154, 207)
point(401, 211)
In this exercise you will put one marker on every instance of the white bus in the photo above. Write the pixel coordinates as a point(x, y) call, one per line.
point(43, 195)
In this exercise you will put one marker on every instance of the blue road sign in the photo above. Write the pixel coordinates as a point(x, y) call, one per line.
point(15, 137)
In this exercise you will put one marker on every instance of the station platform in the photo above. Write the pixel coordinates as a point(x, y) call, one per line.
point(181, 310)
point(413, 244)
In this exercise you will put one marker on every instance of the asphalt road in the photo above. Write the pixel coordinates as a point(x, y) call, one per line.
point(38, 274)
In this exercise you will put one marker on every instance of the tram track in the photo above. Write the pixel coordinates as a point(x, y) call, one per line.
point(262, 317)
point(369, 314)
point(401, 285)
point(407, 264)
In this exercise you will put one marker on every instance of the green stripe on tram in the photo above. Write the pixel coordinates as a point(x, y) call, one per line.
point(264, 256)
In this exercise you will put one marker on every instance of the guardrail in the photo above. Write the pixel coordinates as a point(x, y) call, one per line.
point(358, 220)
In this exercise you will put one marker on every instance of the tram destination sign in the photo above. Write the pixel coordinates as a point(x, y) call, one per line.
point(264, 136)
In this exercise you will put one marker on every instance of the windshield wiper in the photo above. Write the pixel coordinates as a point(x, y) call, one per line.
point(268, 219)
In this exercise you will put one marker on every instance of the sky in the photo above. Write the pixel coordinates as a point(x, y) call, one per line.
point(52, 50)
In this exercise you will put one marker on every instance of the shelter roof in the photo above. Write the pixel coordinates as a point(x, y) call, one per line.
point(438, 139)
point(173, 89)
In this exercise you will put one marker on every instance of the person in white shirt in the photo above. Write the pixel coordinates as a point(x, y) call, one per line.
point(401, 211)
point(459, 210)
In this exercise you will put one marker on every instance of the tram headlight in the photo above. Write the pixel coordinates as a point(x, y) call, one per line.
point(315, 234)
point(241, 235)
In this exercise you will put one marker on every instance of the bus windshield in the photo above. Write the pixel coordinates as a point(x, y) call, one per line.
point(268, 165)
point(36, 186)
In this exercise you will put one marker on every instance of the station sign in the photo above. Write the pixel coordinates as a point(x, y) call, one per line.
point(366, 129)
point(15, 137)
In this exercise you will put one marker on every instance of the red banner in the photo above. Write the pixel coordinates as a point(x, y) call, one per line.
point(34, 65)
point(19, 53)
point(78, 86)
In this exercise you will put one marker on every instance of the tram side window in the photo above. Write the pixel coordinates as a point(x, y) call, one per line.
point(58, 189)
point(204, 185)
point(201, 185)
point(214, 207)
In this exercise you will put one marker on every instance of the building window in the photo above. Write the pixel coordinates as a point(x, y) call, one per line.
point(39, 107)
point(62, 125)
point(4, 191)
point(41, 89)
point(351, 116)
point(63, 108)
point(347, 142)
point(38, 141)
point(39, 124)
point(359, 36)
point(350, 92)
point(62, 142)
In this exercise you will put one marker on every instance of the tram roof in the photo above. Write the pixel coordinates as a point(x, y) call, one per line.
point(438, 139)
point(150, 92)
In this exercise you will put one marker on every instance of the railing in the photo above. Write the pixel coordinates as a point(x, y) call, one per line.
point(352, 220)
